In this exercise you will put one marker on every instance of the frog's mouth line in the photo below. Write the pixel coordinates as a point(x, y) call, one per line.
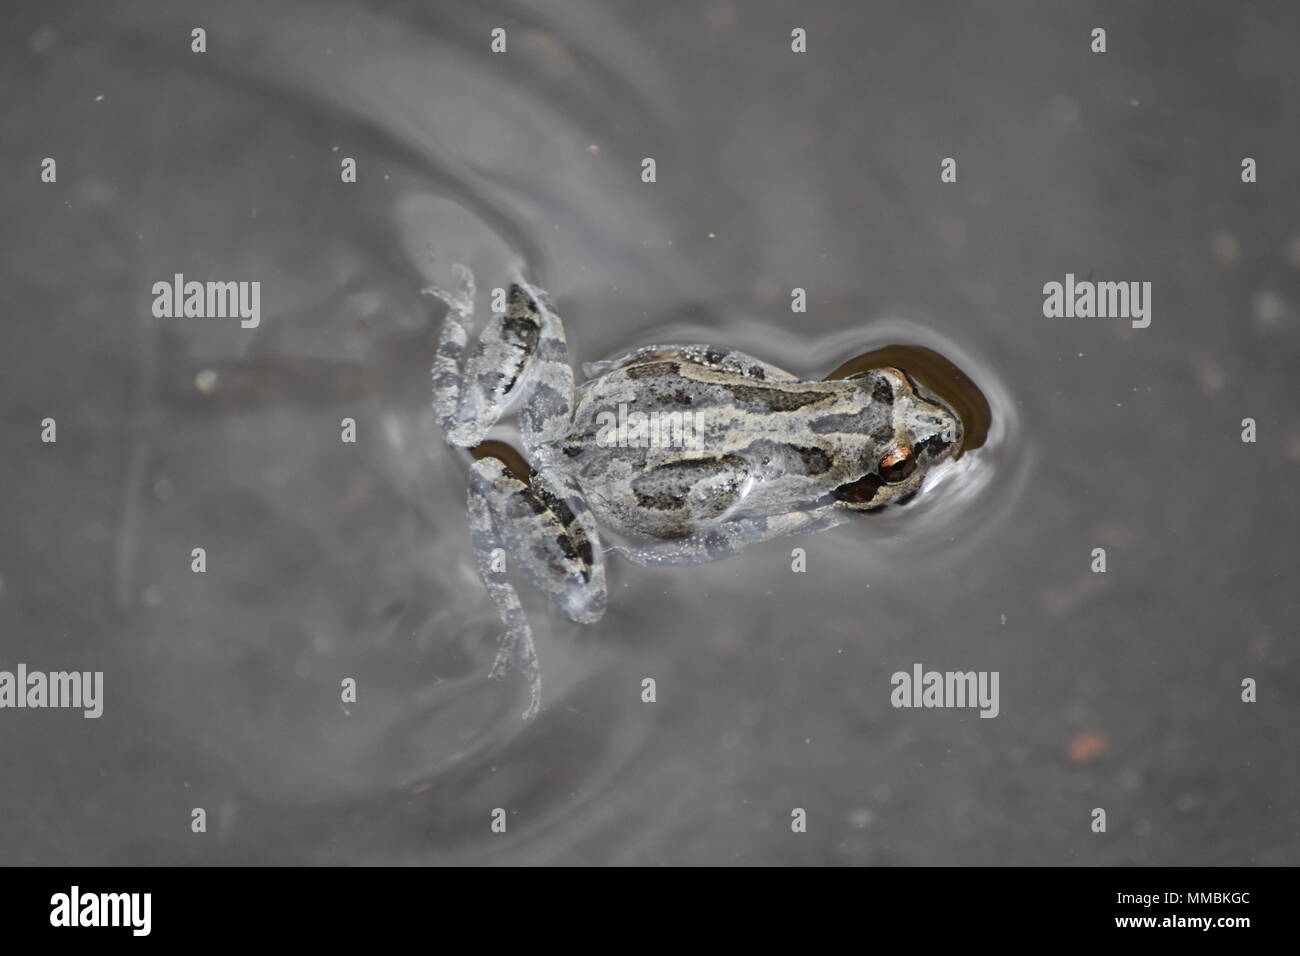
point(860, 492)
point(937, 376)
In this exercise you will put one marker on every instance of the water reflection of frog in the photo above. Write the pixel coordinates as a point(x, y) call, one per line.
point(766, 454)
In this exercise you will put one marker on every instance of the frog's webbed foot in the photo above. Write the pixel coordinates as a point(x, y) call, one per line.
point(520, 350)
point(518, 650)
point(516, 645)
point(544, 526)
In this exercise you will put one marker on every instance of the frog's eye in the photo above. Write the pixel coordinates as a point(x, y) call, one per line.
point(898, 465)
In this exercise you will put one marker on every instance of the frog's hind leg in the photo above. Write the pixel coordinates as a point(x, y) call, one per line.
point(710, 356)
point(548, 412)
point(733, 536)
point(535, 523)
point(519, 351)
point(516, 646)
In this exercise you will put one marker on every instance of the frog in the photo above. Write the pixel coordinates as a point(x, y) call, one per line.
point(750, 453)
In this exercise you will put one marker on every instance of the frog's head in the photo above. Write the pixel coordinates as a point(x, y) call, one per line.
point(918, 431)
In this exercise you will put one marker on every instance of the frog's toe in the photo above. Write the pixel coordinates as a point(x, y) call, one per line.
point(510, 651)
point(517, 650)
point(460, 300)
point(534, 696)
point(504, 660)
point(585, 605)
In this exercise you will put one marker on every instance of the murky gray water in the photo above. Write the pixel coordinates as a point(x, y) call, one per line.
point(328, 560)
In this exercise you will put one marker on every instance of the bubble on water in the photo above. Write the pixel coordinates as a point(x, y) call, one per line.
point(1269, 309)
point(206, 381)
point(1210, 374)
point(43, 40)
point(1225, 248)
point(1293, 252)
point(861, 818)
point(163, 488)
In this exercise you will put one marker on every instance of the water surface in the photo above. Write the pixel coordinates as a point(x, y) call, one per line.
point(774, 170)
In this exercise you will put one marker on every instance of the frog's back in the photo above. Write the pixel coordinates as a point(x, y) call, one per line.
point(669, 448)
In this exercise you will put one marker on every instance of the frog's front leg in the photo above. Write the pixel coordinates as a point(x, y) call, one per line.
point(519, 351)
point(733, 536)
point(543, 525)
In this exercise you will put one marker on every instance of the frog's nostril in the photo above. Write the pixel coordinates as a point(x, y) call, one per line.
point(933, 447)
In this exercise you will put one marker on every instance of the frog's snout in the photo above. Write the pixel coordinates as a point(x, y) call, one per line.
point(946, 438)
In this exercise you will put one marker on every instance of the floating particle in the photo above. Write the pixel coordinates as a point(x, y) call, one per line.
point(1086, 747)
point(207, 380)
point(1225, 247)
point(1269, 309)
